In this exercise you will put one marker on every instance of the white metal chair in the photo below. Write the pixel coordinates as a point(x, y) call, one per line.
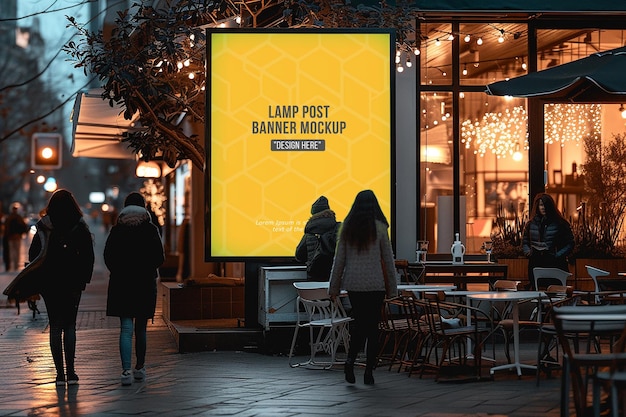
point(594, 273)
point(544, 277)
point(326, 320)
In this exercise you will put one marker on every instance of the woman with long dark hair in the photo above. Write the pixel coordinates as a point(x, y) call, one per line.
point(67, 267)
point(547, 238)
point(364, 267)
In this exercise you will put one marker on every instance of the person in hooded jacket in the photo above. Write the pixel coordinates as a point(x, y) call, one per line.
point(133, 252)
point(65, 249)
point(321, 224)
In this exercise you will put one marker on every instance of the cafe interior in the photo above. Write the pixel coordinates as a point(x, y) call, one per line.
point(481, 156)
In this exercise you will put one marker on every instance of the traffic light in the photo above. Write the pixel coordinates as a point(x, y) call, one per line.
point(46, 151)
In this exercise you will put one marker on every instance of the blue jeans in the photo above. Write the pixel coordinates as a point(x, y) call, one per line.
point(126, 341)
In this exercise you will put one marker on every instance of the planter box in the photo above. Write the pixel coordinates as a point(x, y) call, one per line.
point(584, 281)
point(517, 269)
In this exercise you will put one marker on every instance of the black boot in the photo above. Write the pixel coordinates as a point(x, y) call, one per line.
point(368, 378)
point(348, 369)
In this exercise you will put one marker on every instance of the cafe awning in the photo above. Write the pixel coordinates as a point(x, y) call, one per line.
point(598, 78)
point(98, 128)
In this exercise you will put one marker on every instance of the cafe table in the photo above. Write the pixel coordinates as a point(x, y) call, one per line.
point(514, 297)
point(469, 272)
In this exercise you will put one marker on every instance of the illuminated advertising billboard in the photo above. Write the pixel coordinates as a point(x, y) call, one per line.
point(293, 115)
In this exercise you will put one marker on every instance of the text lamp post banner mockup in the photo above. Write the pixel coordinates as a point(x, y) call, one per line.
point(292, 115)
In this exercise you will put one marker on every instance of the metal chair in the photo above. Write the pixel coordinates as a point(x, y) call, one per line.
point(586, 325)
point(394, 329)
point(594, 273)
point(544, 277)
point(444, 337)
point(327, 323)
point(548, 351)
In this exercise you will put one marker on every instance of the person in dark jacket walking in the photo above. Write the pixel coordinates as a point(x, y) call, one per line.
point(67, 258)
point(321, 227)
point(132, 253)
point(547, 238)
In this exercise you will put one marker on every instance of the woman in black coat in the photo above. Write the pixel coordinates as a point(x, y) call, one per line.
point(132, 253)
point(547, 238)
point(63, 252)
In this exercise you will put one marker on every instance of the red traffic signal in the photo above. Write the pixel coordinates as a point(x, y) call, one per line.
point(46, 151)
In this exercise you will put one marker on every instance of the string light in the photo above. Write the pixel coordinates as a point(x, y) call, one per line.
point(498, 133)
point(501, 36)
point(572, 122)
point(467, 38)
point(502, 133)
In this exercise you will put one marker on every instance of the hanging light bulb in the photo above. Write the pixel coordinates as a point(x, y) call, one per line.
point(479, 41)
point(437, 42)
point(622, 111)
point(408, 62)
point(416, 51)
point(467, 38)
point(517, 155)
point(465, 69)
point(501, 37)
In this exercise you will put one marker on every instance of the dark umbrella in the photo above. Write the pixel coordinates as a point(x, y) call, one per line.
point(598, 78)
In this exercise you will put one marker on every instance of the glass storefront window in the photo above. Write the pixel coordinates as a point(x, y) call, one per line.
point(559, 46)
point(436, 54)
point(491, 52)
point(436, 182)
point(493, 131)
point(493, 161)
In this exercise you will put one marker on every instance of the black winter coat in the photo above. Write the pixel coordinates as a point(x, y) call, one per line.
point(132, 253)
point(556, 235)
point(319, 223)
point(68, 264)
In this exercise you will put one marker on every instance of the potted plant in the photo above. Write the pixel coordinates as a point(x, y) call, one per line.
point(598, 225)
point(506, 236)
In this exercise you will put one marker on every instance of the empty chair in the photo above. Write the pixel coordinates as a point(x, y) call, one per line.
point(594, 273)
point(394, 329)
point(548, 356)
point(327, 323)
point(447, 332)
point(544, 277)
point(580, 330)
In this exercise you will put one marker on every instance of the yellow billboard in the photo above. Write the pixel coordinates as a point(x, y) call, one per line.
point(293, 115)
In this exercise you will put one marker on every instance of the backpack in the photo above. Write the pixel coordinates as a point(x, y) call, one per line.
point(322, 260)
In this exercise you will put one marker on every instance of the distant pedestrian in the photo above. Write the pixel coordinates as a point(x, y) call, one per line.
point(5, 242)
point(132, 253)
point(364, 266)
point(15, 228)
point(67, 265)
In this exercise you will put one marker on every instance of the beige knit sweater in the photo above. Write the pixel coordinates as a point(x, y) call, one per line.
point(362, 271)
